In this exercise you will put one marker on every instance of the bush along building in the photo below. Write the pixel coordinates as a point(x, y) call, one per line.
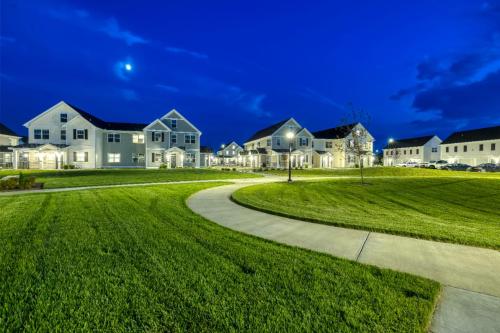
point(65, 135)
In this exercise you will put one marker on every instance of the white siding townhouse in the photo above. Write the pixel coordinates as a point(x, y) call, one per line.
point(206, 156)
point(229, 154)
point(472, 147)
point(418, 150)
point(65, 134)
point(331, 147)
point(7, 139)
point(269, 147)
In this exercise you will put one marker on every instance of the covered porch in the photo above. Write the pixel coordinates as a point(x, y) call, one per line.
point(279, 158)
point(39, 156)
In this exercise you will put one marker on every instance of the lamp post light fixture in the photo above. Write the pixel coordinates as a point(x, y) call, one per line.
point(391, 140)
point(290, 136)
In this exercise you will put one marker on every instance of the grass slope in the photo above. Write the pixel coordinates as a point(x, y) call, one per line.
point(129, 259)
point(74, 178)
point(384, 171)
point(456, 210)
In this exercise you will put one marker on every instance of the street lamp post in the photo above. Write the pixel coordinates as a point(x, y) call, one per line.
point(290, 136)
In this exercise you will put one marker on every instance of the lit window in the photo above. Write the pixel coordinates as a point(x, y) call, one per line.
point(114, 137)
point(81, 156)
point(138, 138)
point(113, 157)
point(64, 117)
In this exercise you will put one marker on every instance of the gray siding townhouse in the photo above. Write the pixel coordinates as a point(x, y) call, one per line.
point(65, 134)
point(229, 154)
point(269, 147)
point(418, 150)
point(472, 147)
point(7, 139)
point(331, 147)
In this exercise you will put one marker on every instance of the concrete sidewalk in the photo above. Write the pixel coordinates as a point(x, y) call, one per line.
point(471, 275)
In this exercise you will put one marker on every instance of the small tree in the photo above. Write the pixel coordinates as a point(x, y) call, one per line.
point(357, 142)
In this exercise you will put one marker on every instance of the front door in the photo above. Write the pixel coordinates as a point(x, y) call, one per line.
point(173, 161)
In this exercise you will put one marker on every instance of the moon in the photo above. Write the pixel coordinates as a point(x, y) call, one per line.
point(128, 67)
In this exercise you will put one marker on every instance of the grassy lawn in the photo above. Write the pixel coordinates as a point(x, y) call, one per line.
point(458, 210)
point(74, 178)
point(384, 171)
point(133, 259)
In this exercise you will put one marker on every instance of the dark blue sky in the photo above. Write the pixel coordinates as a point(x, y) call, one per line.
point(232, 67)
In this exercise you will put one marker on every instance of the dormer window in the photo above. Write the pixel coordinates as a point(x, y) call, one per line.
point(174, 123)
point(64, 117)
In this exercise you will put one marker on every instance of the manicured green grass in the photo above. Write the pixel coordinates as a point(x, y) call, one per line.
point(459, 210)
point(384, 171)
point(137, 259)
point(75, 178)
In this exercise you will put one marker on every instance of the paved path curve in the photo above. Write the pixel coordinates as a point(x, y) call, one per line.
point(471, 298)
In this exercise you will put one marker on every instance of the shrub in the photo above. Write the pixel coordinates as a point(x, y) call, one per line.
point(26, 182)
point(68, 166)
point(163, 166)
point(234, 169)
point(9, 184)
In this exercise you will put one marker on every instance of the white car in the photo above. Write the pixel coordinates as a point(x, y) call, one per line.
point(407, 164)
point(437, 164)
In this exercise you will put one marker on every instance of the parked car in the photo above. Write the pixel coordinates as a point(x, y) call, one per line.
point(485, 167)
point(437, 164)
point(456, 167)
point(407, 164)
point(423, 165)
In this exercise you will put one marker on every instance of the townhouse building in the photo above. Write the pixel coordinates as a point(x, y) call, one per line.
point(8, 138)
point(229, 154)
point(67, 135)
point(333, 147)
point(472, 147)
point(419, 150)
point(269, 147)
point(206, 156)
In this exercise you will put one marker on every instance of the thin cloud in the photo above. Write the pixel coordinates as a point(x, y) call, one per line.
point(193, 54)
point(129, 94)
point(318, 97)
point(109, 27)
point(167, 88)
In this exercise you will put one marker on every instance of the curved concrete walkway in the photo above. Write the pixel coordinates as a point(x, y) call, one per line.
point(471, 298)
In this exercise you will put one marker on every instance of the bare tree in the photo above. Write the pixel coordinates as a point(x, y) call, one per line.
point(357, 144)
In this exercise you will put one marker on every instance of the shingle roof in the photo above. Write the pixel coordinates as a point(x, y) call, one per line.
point(206, 149)
point(267, 131)
point(480, 134)
point(338, 132)
point(409, 142)
point(113, 126)
point(6, 131)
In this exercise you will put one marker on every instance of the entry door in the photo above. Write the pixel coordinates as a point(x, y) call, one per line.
point(173, 161)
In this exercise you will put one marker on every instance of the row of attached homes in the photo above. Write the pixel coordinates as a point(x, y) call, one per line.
point(270, 147)
point(65, 135)
point(471, 147)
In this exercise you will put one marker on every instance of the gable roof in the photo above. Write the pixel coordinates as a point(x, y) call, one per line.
point(108, 125)
point(174, 111)
point(338, 132)
point(268, 130)
point(7, 131)
point(480, 134)
point(409, 142)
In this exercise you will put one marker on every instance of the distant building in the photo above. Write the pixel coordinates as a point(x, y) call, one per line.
point(206, 156)
point(419, 150)
point(7, 139)
point(472, 147)
point(229, 154)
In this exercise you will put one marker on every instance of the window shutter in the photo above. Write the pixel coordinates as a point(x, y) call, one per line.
point(74, 133)
point(153, 157)
point(86, 156)
point(86, 134)
point(152, 136)
point(162, 136)
point(74, 156)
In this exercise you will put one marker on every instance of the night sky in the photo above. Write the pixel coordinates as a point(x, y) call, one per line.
point(233, 67)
